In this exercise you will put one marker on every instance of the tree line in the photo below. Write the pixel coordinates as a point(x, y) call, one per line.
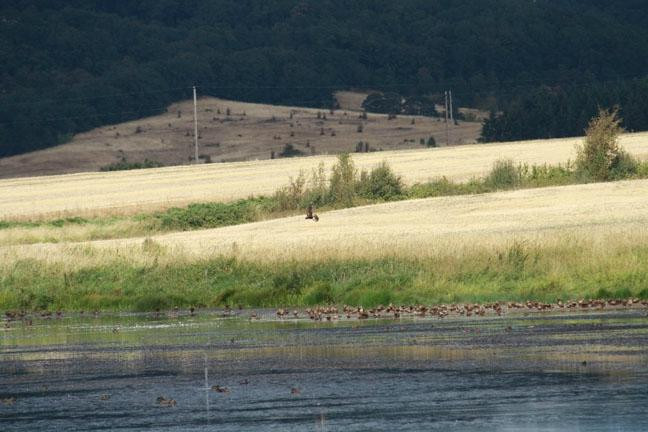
point(72, 65)
point(561, 111)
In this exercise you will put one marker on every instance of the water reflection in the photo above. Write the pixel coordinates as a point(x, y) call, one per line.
point(541, 372)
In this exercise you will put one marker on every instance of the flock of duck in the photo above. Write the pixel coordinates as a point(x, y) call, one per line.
point(332, 313)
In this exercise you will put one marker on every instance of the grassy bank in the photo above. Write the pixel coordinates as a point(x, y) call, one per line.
point(516, 272)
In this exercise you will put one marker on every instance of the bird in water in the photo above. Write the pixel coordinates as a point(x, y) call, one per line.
point(310, 213)
point(220, 389)
point(161, 400)
point(295, 391)
point(8, 400)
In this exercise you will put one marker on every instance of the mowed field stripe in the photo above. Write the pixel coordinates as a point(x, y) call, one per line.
point(600, 212)
point(143, 190)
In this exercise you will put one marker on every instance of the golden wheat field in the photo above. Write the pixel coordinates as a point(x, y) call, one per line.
point(140, 190)
point(602, 214)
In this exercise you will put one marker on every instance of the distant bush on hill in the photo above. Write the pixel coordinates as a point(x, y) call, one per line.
point(393, 103)
point(123, 164)
point(290, 151)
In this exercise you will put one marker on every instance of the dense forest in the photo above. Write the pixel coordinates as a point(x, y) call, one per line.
point(543, 65)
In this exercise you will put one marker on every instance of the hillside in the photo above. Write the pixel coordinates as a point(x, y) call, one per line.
point(249, 132)
point(72, 66)
point(142, 190)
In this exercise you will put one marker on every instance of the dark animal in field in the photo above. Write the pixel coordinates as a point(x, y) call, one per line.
point(310, 213)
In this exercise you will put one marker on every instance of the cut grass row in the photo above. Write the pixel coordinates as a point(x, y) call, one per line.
point(516, 272)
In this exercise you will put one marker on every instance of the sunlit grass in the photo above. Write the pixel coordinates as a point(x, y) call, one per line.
point(162, 279)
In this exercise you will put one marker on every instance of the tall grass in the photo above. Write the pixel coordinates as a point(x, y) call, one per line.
point(514, 272)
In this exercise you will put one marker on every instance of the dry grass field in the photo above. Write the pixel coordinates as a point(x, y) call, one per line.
point(250, 131)
point(124, 192)
point(602, 215)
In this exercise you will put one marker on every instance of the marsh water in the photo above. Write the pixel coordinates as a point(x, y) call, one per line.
point(534, 372)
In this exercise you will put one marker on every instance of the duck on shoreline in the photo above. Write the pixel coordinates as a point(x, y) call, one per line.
point(331, 313)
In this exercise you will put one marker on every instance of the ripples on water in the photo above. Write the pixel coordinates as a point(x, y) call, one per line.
point(583, 372)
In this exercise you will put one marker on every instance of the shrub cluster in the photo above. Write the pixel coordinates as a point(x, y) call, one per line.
point(123, 164)
point(345, 187)
point(601, 158)
point(210, 215)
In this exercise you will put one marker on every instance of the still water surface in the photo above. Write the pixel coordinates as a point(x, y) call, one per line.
point(537, 372)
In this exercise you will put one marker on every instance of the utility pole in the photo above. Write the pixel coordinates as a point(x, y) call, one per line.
point(451, 111)
point(446, 118)
point(195, 125)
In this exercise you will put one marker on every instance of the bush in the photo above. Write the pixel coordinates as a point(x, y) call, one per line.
point(209, 215)
point(123, 164)
point(290, 197)
point(290, 151)
point(381, 183)
point(549, 175)
point(601, 151)
point(317, 191)
point(342, 189)
point(624, 166)
point(504, 175)
point(342, 185)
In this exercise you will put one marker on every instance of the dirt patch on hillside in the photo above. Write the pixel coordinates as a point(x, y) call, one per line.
point(234, 131)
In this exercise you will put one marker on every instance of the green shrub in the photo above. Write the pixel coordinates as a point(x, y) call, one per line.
point(317, 191)
point(624, 166)
point(381, 183)
point(601, 151)
point(290, 151)
point(342, 184)
point(504, 175)
point(549, 175)
point(210, 215)
point(291, 196)
point(123, 164)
